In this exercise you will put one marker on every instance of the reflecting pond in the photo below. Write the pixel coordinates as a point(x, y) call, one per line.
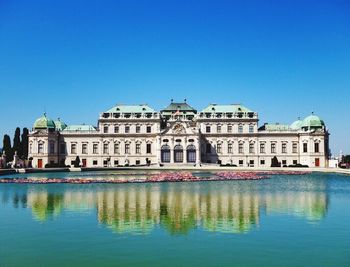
point(284, 221)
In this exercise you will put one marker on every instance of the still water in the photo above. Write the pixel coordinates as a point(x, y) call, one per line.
point(283, 221)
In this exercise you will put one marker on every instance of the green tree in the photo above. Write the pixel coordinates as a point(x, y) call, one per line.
point(17, 141)
point(24, 143)
point(7, 148)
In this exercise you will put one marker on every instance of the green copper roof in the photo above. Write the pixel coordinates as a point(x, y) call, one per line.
point(277, 127)
point(60, 125)
point(233, 108)
point(44, 123)
point(131, 109)
point(182, 107)
point(296, 125)
point(80, 128)
point(312, 121)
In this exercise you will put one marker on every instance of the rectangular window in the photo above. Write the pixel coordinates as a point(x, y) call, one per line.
point(116, 163)
point(84, 148)
point(251, 163)
point(208, 148)
point(94, 162)
point(273, 148)
point(105, 148)
point(127, 129)
point(218, 148)
point(105, 129)
point(149, 129)
point(295, 147)
point(138, 128)
point(95, 149)
point(73, 149)
point(149, 148)
point(262, 162)
point(116, 148)
point(240, 128)
point(284, 162)
point(251, 148)
point(63, 148)
point(317, 147)
point(116, 129)
point(251, 128)
point(240, 163)
point(295, 162)
point(138, 149)
point(218, 128)
point(229, 128)
point(284, 148)
point(207, 129)
point(52, 147)
point(229, 148)
point(137, 162)
point(127, 148)
point(240, 148)
point(40, 148)
point(305, 147)
point(262, 148)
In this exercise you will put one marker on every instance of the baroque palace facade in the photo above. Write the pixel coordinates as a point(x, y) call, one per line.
point(128, 135)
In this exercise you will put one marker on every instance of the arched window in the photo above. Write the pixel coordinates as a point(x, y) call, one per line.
point(191, 154)
point(178, 154)
point(165, 153)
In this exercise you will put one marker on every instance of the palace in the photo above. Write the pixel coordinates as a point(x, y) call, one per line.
point(130, 135)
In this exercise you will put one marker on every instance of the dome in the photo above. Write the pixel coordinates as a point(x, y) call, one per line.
point(44, 123)
point(312, 121)
point(60, 125)
point(296, 125)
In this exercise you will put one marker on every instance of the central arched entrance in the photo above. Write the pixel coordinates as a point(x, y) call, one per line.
point(165, 153)
point(178, 154)
point(191, 154)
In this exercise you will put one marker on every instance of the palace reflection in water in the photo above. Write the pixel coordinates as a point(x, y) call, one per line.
point(228, 207)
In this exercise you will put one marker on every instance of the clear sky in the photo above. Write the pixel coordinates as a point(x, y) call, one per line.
point(76, 58)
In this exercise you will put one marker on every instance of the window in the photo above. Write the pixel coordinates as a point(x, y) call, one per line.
point(284, 162)
point(95, 149)
point(262, 148)
point(127, 129)
point(208, 148)
point(105, 129)
point(207, 129)
point(218, 148)
point(138, 128)
point(229, 128)
point(305, 147)
point(94, 162)
point(295, 148)
point(73, 149)
point(149, 129)
point(40, 148)
point(63, 148)
point(240, 148)
point(229, 148)
point(116, 148)
point(137, 162)
point(273, 148)
point(240, 128)
point(138, 149)
point(116, 129)
point(251, 163)
point(317, 147)
point(284, 148)
point(251, 128)
point(30, 148)
point(240, 162)
point(52, 147)
point(127, 148)
point(84, 148)
point(148, 148)
point(116, 162)
point(251, 148)
point(105, 148)
point(262, 162)
point(218, 128)
point(295, 162)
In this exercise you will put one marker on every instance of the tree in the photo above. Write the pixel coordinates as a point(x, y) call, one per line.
point(275, 163)
point(7, 148)
point(346, 159)
point(17, 141)
point(77, 162)
point(24, 143)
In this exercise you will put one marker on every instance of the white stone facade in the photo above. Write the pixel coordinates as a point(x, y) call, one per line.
point(220, 134)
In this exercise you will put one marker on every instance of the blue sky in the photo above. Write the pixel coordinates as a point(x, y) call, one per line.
point(74, 59)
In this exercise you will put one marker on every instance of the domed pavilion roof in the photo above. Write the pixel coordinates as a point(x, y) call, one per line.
point(60, 125)
point(44, 123)
point(312, 121)
point(296, 125)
